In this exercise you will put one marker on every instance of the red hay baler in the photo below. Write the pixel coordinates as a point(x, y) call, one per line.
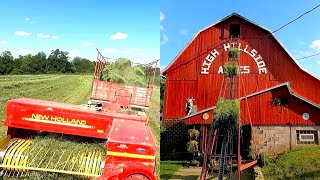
point(128, 141)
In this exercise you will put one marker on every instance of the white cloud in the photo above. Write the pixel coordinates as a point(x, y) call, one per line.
point(27, 19)
point(318, 62)
point(74, 52)
point(87, 44)
point(3, 42)
point(164, 40)
point(315, 45)
point(24, 52)
point(161, 28)
point(183, 32)
point(110, 50)
point(118, 36)
point(162, 16)
point(22, 33)
point(46, 36)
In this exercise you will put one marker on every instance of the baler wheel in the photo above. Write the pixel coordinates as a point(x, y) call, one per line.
point(136, 177)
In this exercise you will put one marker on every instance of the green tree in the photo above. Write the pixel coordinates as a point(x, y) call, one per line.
point(39, 63)
point(6, 62)
point(58, 62)
point(83, 65)
point(162, 89)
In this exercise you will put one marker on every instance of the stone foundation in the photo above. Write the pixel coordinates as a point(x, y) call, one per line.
point(277, 139)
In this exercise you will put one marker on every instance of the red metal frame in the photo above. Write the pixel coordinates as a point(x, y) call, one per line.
point(103, 90)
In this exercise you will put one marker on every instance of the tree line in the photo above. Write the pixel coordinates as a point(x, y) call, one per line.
point(56, 62)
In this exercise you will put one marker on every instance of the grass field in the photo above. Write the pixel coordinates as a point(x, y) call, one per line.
point(168, 168)
point(301, 163)
point(74, 89)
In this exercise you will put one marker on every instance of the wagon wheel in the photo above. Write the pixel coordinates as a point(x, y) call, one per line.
point(137, 177)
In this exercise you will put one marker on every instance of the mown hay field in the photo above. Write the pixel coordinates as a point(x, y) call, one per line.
point(74, 89)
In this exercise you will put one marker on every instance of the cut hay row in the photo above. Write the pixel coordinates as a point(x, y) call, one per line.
point(24, 77)
point(18, 84)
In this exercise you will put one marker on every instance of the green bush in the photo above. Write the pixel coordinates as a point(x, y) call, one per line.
point(234, 53)
point(226, 115)
point(231, 69)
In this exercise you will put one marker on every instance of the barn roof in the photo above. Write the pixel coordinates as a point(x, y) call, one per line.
point(225, 18)
point(286, 84)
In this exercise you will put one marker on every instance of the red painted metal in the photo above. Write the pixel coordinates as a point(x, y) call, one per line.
point(130, 145)
point(185, 72)
point(61, 118)
point(248, 165)
point(130, 137)
point(108, 91)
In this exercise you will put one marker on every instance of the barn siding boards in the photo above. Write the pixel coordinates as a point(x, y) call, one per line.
point(185, 72)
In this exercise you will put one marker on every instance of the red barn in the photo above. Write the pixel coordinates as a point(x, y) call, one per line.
point(268, 74)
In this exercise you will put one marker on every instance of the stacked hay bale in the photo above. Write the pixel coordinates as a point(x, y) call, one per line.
point(226, 114)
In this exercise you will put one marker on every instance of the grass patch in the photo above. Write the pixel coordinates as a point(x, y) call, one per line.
point(154, 115)
point(168, 168)
point(303, 163)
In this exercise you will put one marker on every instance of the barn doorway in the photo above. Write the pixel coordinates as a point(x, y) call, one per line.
point(245, 142)
point(232, 150)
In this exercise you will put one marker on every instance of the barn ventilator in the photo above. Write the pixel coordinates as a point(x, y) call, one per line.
point(221, 147)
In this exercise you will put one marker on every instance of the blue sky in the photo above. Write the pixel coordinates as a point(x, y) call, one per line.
point(179, 20)
point(117, 28)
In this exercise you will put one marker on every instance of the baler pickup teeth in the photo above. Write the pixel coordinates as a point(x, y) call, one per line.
point(22, 157)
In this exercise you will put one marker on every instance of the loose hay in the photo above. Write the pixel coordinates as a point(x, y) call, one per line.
point(121, 71)
point(226, 115)
point(66, 153)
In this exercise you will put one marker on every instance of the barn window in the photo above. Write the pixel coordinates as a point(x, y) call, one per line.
point(234, 30)
point(307, 137)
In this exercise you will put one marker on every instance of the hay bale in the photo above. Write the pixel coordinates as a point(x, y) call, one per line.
point(226, 115)
point(231, 69)
point(192, 146)
point(234, 53)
